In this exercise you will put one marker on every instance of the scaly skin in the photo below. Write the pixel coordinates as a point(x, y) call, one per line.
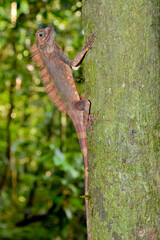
point(59, 84)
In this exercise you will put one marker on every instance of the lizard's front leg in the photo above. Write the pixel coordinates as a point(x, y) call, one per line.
point(78, 59)
point(75, 64)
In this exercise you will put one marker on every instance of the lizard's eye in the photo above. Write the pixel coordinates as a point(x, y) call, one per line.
point(40, 34)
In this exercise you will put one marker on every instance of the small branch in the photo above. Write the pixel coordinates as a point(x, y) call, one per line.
point(30, 200)
point(9, 117)
point(36, 218)
point(8, 139)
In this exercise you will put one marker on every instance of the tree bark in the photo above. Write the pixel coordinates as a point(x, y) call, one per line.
point(122, 72)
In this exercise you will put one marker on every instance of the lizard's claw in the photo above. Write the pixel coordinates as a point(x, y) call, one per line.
point(91, 119)
point(90, 40)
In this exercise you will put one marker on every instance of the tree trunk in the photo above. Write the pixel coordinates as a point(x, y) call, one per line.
point(121, 73)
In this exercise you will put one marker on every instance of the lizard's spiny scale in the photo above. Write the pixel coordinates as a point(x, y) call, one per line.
point(39, 63)
point(49, 87)
point(36, 57)
point(33, 48)
point(52, 95)
point(43, 72)
point(46, 79)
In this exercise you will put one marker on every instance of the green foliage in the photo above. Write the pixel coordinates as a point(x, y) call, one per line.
point(41, 169)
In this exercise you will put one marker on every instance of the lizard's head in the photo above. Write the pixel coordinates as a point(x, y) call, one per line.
point(45, 35)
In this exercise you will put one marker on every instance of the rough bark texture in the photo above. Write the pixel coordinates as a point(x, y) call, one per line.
point(122, 72)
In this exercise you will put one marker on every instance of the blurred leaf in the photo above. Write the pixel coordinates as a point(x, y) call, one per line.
point(24, 7)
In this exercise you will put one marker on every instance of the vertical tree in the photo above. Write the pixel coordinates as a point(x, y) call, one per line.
point(122, 72)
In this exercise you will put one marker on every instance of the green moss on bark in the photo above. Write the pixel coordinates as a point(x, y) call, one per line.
point(122, 72)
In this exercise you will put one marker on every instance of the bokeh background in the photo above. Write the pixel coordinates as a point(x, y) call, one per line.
point(41, 168)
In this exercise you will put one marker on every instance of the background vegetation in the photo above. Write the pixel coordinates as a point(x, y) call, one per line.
point(41, 169)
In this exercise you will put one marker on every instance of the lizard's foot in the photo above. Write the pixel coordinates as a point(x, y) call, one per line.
point(91, 119)
point(90, 40)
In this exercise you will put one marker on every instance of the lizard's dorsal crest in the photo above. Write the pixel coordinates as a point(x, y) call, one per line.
point(48, 83)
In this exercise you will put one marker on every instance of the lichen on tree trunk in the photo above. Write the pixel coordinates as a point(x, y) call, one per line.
point(122, 73)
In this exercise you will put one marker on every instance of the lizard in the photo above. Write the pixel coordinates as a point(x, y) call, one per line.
point(56, 73)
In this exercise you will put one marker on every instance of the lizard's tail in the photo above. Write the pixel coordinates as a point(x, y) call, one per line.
point(82, 138)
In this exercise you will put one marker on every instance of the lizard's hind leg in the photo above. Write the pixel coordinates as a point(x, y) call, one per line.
point(84, 105)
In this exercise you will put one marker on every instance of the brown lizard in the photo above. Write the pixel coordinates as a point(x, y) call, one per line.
point(59, 84)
